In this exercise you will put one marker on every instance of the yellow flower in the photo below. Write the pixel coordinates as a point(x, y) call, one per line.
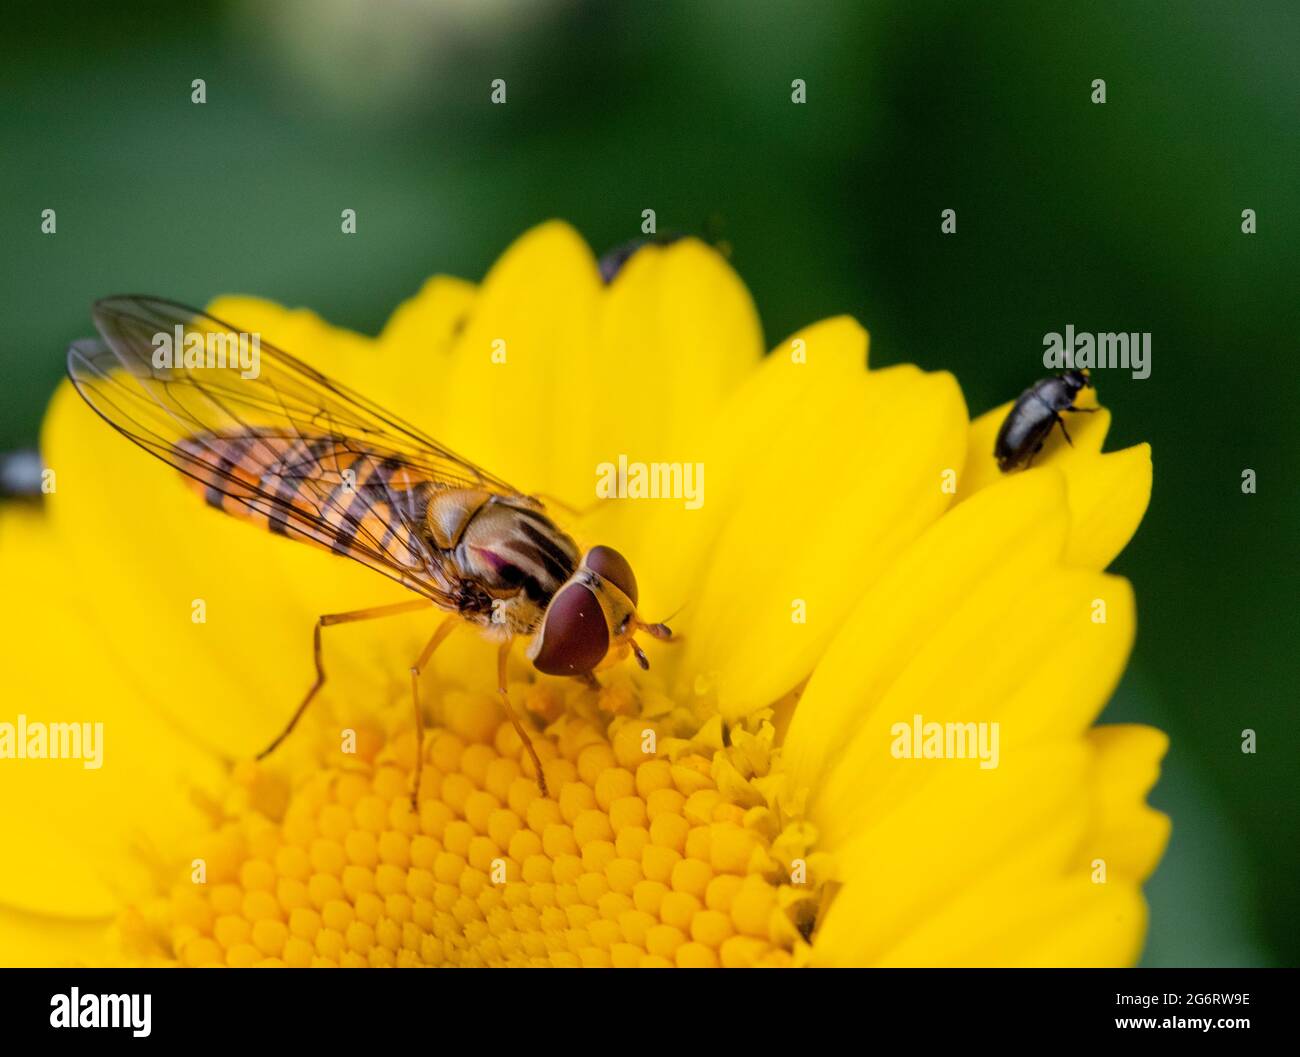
point(858, 572)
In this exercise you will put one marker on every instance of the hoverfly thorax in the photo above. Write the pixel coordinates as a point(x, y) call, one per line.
point(507, 548)
point(592, 617)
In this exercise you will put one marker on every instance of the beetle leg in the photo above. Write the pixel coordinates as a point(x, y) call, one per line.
point(1084, 410)
point(1061, 422)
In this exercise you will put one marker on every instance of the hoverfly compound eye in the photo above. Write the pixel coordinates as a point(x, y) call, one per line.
point(574, 636)
point(609, 565)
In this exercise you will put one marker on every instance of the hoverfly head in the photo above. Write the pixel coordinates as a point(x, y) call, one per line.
point(593, 613)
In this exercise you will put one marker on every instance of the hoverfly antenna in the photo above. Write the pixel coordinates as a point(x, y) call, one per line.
point(662, 632)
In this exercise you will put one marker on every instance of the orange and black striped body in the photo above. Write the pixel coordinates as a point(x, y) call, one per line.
point(322, 479)
point(497, 560)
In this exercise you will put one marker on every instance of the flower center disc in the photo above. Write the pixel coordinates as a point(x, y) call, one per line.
point(654, 849)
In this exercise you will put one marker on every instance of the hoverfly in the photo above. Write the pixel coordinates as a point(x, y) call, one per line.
point(307, 458)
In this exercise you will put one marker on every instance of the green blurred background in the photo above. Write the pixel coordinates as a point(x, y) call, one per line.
point(1125, 216)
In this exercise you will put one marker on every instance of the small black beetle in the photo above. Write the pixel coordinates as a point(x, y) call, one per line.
point(1032, 417)
point(612, 262)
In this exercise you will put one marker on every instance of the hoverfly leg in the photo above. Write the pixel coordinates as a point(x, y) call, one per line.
point(315, 687)
point(503, 657)
point(589, 680)
point(444, 629)
point(325, 621)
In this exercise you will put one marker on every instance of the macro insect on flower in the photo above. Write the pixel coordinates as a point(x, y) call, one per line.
point(306, 458)
point(740, 803)
point(1033, 415)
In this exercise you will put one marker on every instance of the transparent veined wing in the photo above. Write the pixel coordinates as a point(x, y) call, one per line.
point(273, 440)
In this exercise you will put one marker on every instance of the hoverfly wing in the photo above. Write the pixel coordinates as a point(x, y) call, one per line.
point(284, 386)
point(284, 445)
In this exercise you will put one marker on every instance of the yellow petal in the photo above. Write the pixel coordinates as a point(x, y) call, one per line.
point(1126, 833)
point(36, 941)
point(1022, 653)
point(1006, 533)
point(829, 500)
point(532, 332)
point(423, 325)
point(927, 849)
point(1063, 923)
point(677, 334)
point(70, 843)
point(1076, 923)
point(971, 926)
point(416, 349)
point(736, 441)
point(988, 869)
point(1108, 498)
point(405, 370)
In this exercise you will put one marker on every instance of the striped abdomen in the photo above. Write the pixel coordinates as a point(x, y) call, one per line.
point(318, 489)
